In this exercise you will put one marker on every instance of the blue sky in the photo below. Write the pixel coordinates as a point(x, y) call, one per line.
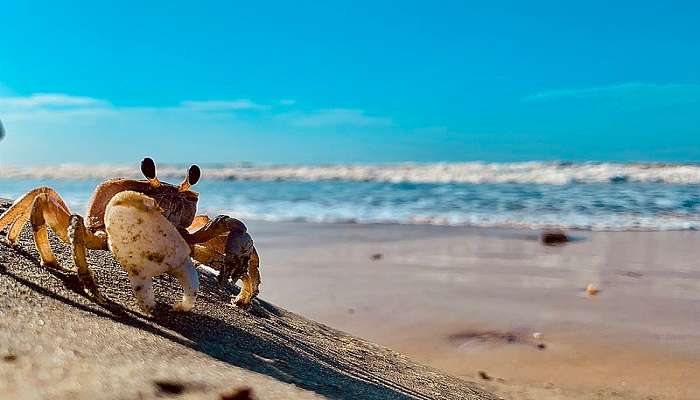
point(318, 82)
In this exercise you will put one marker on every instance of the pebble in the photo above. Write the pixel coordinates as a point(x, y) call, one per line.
point(592, 290)
point(484, 375)
point(553, 237)
point(237, 394)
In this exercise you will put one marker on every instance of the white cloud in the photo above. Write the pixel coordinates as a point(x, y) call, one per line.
point(64, 128)
point(45, 100)
point(336, 117)
point(622, 91)
point(217, 105)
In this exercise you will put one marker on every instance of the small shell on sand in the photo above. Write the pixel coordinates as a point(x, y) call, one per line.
point(592, 290)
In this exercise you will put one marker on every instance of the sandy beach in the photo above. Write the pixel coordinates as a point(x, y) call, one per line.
point(398, 169)
point(56, 343)
point(490, 306)
point(469, 300)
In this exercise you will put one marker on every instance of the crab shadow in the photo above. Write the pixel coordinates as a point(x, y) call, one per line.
point(276, 353)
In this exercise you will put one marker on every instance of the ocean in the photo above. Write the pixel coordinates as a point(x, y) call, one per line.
point(589, 196)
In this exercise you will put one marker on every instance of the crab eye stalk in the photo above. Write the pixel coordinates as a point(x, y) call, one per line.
point(193, 174)
point(192, 178)
point(148, 168)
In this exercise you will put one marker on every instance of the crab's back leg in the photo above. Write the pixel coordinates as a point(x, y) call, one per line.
point(251, 282)
point(44, 208)
point(20, 211)
point(16, 227)
point(224, 243)
point(45, 212)
point(237, 245)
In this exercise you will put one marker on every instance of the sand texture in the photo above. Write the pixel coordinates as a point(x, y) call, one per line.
point(56, 343)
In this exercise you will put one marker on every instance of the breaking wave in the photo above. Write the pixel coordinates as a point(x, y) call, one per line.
point(548, 173)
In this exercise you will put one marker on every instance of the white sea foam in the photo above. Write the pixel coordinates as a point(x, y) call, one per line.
point(552, 173)
point(297, 197)
point(589, 223)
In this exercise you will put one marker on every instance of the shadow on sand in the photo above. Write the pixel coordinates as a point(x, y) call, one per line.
point(273, 351)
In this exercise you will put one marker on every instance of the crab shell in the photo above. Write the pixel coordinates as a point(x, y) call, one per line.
point(178, 206)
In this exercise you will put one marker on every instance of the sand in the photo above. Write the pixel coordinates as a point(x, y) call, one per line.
point(57, 344)
point(467, 300)
point(464, 301)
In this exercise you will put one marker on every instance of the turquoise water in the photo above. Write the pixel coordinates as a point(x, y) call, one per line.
point(615, 204)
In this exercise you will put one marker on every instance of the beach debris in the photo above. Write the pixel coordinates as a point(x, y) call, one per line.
point(152, 229)
point(376, 256)
point(485, 376)
point(174, 387)
point(592, 289)
point(245, 393)
point(485, 337)
point(464, 340)
point(169, 386)
point(632, 274)
point(553, 237)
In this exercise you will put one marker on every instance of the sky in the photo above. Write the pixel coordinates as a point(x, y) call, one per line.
point(310, 82)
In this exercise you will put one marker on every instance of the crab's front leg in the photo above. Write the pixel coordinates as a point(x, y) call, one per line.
point(224, 244)
point(44, 209)
point(189, 280)
point(78, 237)
point(142, 286)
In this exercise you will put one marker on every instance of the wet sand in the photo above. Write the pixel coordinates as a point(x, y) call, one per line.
point(469, 300)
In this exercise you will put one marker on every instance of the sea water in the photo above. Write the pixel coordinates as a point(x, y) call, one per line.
point(593, 196)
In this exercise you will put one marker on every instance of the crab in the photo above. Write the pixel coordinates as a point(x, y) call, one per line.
point(151, 227)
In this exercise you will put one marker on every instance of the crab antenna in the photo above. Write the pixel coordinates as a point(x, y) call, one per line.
point(148, 168)
point(192, 178)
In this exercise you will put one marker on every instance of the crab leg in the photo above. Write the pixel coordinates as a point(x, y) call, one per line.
point(236, 249)
point(189, 280)
point(77, 235)
point(142, 285)
point(44, 208)
point(47, 211)
point(251, 282)
point(225, 244)
point(20, 211)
